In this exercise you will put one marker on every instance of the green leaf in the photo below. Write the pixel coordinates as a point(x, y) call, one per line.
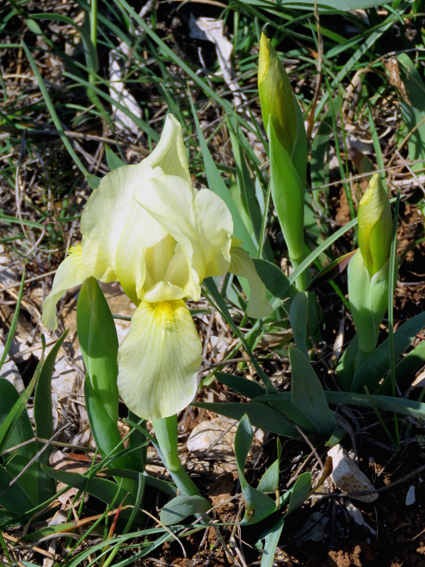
point(298, 316)
point(12, 418)
point(271, 541)
point(320, 249)
point(43, 393)
point(270, 479)
point(386, 403)
point(166, 433)
point(139, 442)
point(412, 103)
point(345, 6)
point(287, 192)
point(93, 180)
point(274, 279)
point(104, 428)
point(154, 483)
point(299, 492)
point(245, 183)
point(103, 489)
point(14, 499)
point(43, 419)
point(258, 505)
point(113, 160)
point(331, 271)
point(406, 369)
point(347, 364)
point(14, 322)
point(368, 300)
point(243, 441)
point(308, 395)
point(22, 430)
point(260, 415)
point(378, 364)
point(16, 461)
point(181, 507)
point(241, 385)
point(99, 345)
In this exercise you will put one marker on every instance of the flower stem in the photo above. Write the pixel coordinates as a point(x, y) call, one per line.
point(166, 434)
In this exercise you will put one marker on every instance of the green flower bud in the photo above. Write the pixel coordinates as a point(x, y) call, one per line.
point(276, 97)
point(375, 225)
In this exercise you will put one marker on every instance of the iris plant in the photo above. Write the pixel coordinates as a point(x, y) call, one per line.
point(147, 228)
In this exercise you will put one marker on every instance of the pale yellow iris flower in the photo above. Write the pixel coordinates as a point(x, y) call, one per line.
point(146, 227)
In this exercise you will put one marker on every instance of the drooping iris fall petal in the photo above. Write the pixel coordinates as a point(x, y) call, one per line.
point(159, 359)
point(71, 273)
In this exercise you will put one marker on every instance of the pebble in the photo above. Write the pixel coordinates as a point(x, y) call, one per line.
point(410, 496)
point(347, 475)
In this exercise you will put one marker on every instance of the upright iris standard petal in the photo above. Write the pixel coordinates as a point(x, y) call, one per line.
point(200, 223)
point(215, 226)
point(171, 202)
point(114, 249)
point(170, 153)
point(71, 273)
point(116, 232)
point(159, 359)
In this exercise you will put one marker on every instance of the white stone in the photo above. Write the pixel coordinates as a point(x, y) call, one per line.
point(410, 496)
point(348, 477)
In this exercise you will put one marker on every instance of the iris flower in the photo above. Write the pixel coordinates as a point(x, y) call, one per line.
point(147, 228)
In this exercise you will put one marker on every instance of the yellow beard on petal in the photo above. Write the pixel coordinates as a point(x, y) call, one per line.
point(75, 250)
point(165, 312)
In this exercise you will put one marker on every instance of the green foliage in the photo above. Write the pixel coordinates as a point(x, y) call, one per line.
point(181, 507)
point(258, 504)
point(23, 483)
point(308, 395)
point(99, 345)
point(412, 104)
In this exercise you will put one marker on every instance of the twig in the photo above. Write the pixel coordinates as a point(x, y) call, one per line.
point(33, 460)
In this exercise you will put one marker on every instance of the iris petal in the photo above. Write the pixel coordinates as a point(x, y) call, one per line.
point(171, 202)
point(170, 153)
point(215, 227)
point(159, 359)
point(69, 274)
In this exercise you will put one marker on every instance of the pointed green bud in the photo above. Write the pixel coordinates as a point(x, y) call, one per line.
point(276, 97)
point(375, 226)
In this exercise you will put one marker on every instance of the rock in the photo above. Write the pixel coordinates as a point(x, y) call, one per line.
point(410, 496)
point(348, 477)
